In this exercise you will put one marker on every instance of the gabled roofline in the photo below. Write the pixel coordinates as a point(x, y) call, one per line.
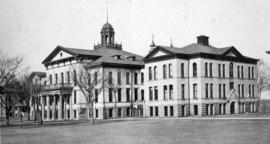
point(155, 50)
point(54, 52)
point(232, 48)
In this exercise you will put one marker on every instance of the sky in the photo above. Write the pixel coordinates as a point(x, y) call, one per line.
point(34, 28)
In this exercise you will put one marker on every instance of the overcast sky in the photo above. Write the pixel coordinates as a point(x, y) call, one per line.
point(33, 28)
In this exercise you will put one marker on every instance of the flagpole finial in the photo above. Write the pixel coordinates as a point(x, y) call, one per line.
point(107, 16)
point(153, 43)
point(171, 42)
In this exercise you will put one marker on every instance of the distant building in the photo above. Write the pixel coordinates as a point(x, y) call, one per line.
point(198, 79)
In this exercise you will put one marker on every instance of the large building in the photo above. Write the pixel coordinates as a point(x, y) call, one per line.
point(197, 79)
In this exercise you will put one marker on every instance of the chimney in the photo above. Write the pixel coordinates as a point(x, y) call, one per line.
point(202, 40)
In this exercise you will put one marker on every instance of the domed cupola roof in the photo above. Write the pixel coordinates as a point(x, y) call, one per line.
point(107, 26)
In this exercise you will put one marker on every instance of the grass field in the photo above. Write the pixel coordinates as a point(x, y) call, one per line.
point(144, 131)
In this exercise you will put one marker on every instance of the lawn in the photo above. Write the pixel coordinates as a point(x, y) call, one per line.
point(145, 131)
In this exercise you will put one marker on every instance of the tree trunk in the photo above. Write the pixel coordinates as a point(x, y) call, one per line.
point(7, 110)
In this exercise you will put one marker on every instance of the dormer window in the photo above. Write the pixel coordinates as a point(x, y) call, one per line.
point(118, 57)
point(61, 54)
point(133, 58)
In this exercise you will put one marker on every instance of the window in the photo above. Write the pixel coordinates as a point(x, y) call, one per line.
point(95, 77)
point(206, 90)
point(110, 95)
point(165, 111)
point(238, 71)
point(127, 78)
point(182, 91)
point(248, 72)
point(249, 90)
point(156, 111)
point(243, 91)
point(119, 112)
point(206, 69)
point(75, 113)
point(50, 79)
point(128, 94)
point(195, 93)
point(231, 85)
point(110, 78)
point(164, 71)
point(195, 109)
point(242, 73)
point(136, 94)
point(182, 70)
point(119, 94)
point(96, 113)
point(156, 92)
point(128, 112)
point(96, 95)
point(74, 97)
point(253, 91)
point(219, 70)
point(165, 92)
point(142, 95)
point(151, 111)
point(89, 78)
point(119, 78)
point(135, 78)
point(171, 110)
point(210, 67)
point(231, 70)
point(194, 69)
point(155, 72)
point(223, 70)
point(56, 78)
point(75, 77)
point(142, 78)
point(224, 91)
point(239, 90)
point(170, 91)
point(211, 90)
point(62, 77)
point(150, 73)
point(219, 90)
point(110, 112)
point(150, 93)
point(252, 72)
point(170, 71)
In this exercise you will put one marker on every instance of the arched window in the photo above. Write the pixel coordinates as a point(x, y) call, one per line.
point(248, 72)
point(252, 72)
point(231, 70)
point(195, 91)
point(135, 78)
point(242, 73)
point(182, 70)
point(155, 72)
point(170, 71)
point(219, 70)
point(210, 67)
point(62, 77)
point(110, 78)
point(223, 70)
point(206, 69)
point(238, 71)
point(56, 78)
point(150, 73)
point(142, 78)
point(194, 69)
point(127, 78)
point(50, 79)
point(164, 71)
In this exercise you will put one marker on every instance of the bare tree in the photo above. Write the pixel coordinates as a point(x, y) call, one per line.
point(90, 87)
point(263, 79)
point(114, 87)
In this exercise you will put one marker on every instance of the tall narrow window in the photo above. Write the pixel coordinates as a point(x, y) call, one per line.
point(165, 111)
point(96, 95)
point(62, 77)
point(128, 94)
point(219, 70)
point(150, 93)
point(56, 78)
point(210, 67)
point(206, 69)
point(248, 72)
point(164, 71)
point(165, 92)
point(206, 90)
point(110, 78)
point(182, 91)
point(119, 78)
point(110, 95)
point(211, 90)
point(231, 70)
point(119, 94)
point(182, 70)
point(242, 73)
point(151, 111)
point(223, 70)
point(135, 78)
point(219, 90)
point(249, 90)
point(170, 71)
point(238, 71)
point(150, 73)
point(252, 72)
point(224, 91)
point(243, 91)
point(156, 111)
point(127, 78)
point(75, 77)
point(239, 90)
point(136, 94)
point(156, 92)
point(253, 91)
point(194, 69)
point(142, 78)
point(89, 78)
point(74, 97)
point(155, 72)
point(95, 77)
point(195, 91)
point(170, 91)
point(50, 79)
point(142, 95)
point(171, 110)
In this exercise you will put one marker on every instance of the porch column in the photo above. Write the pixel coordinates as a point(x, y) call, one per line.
point(53, 109)
point(70, 107)
point(43, 106)
point(48, 107)
point(65, 107)
point(60, 107)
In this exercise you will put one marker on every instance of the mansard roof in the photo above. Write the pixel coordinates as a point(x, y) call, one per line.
point(199, 50)
point(101, 56)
